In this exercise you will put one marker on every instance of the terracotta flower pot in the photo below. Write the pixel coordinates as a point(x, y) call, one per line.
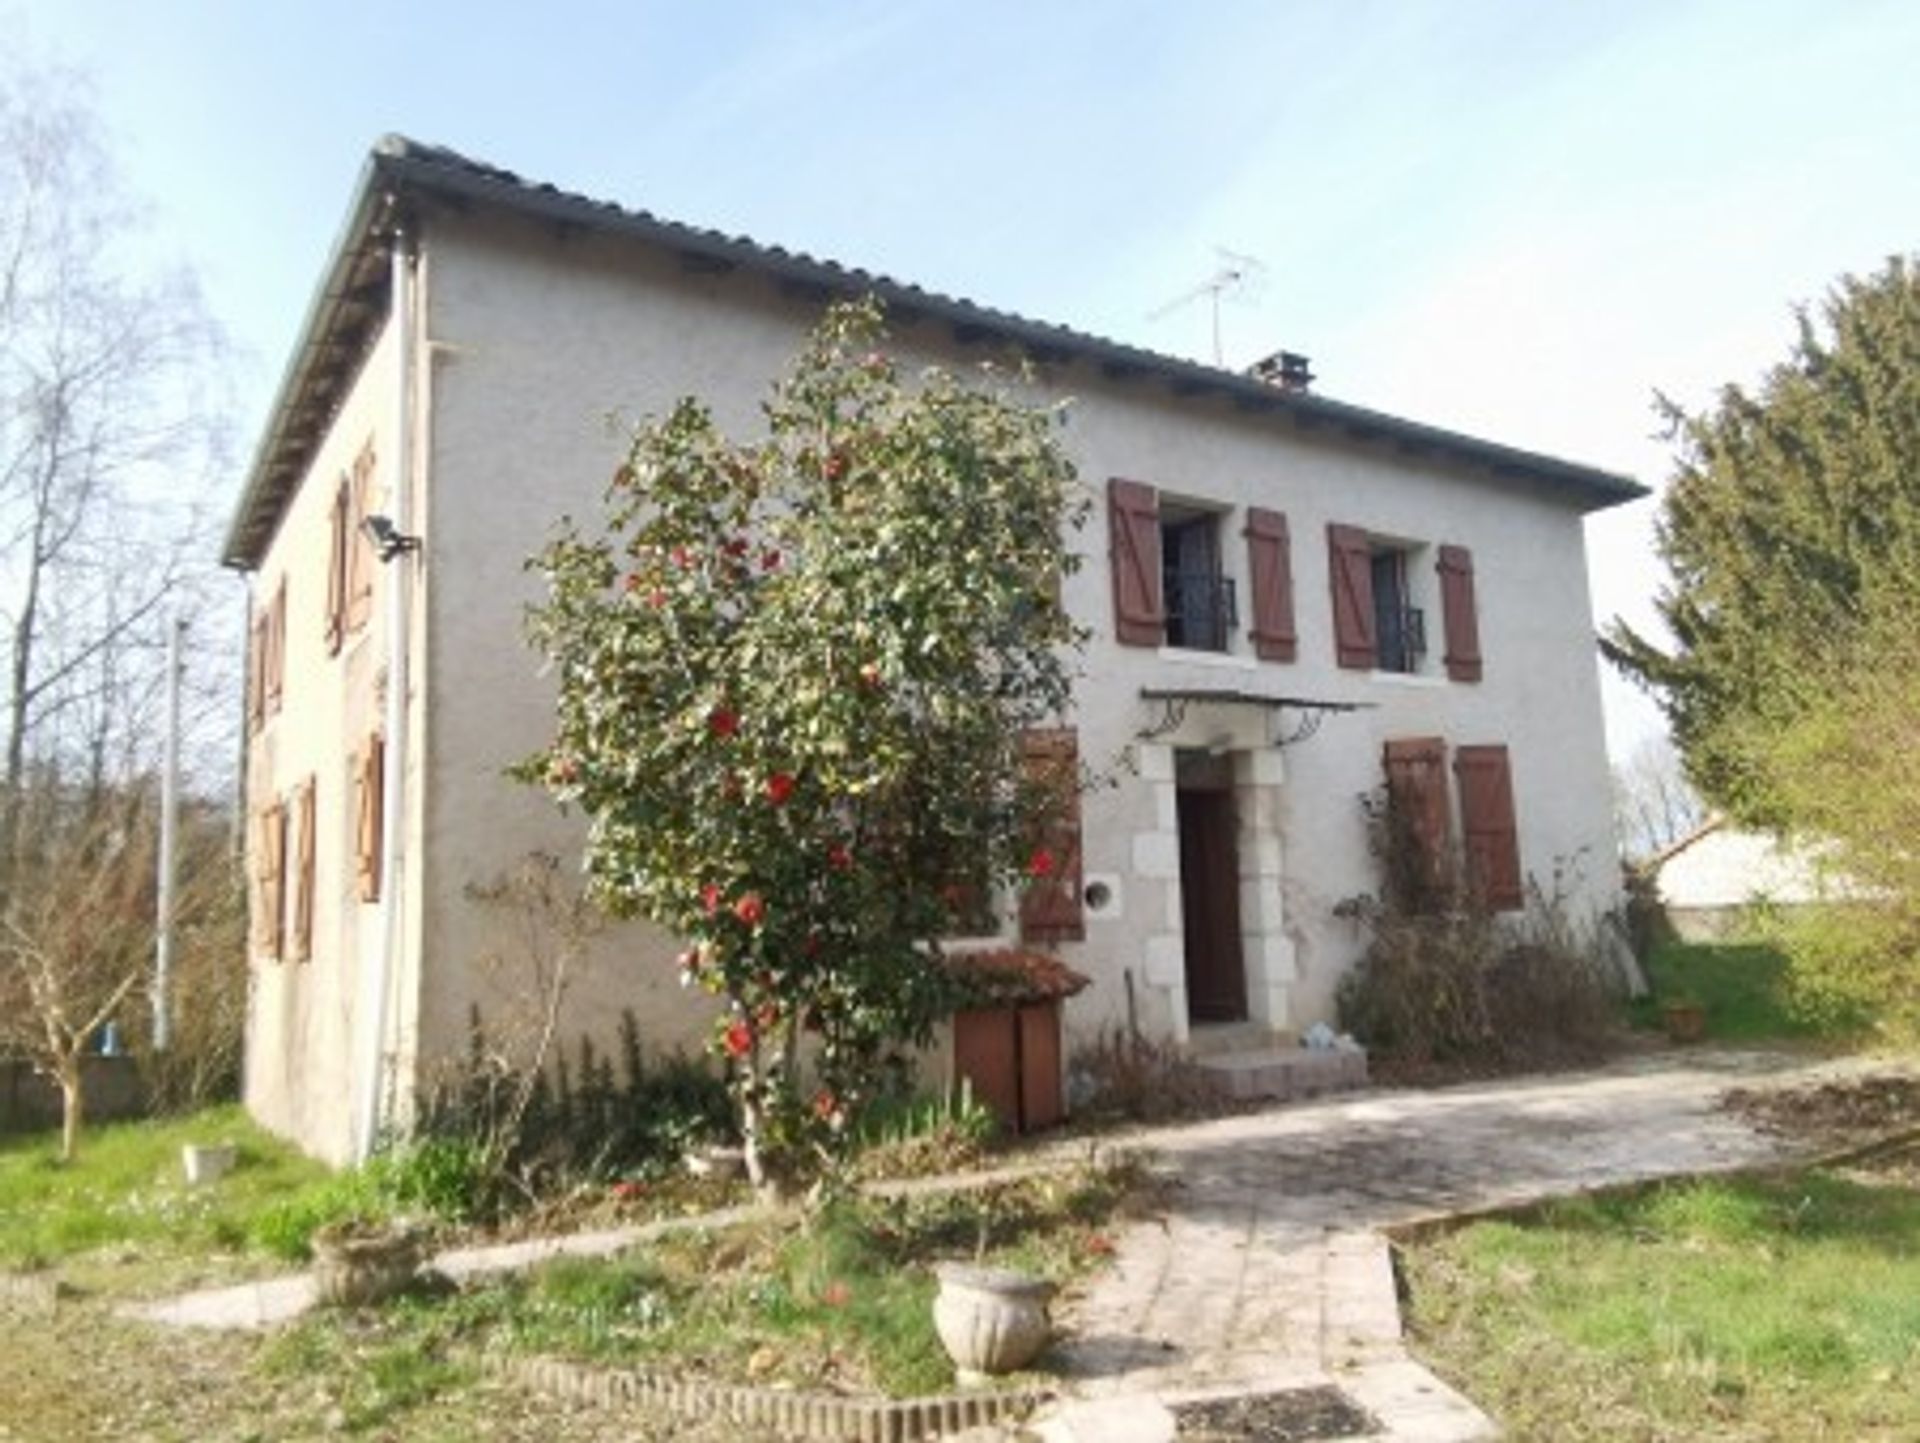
point(990, 1320)
point(1685, 1021)
point(357, 1264)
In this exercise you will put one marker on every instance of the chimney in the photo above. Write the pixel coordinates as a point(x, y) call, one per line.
point(1285, 370)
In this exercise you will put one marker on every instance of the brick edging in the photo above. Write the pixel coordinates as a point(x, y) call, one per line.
point(825, 1417)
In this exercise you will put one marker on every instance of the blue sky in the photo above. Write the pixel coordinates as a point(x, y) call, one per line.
point(1517, 219)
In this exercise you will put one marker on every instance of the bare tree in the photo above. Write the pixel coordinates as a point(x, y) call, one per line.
point(108, 440)
point(1654, 805)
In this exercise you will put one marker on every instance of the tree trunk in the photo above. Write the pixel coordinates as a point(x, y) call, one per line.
point(73, 1107)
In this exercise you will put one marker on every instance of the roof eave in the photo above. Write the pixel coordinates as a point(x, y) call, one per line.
point(398, 166)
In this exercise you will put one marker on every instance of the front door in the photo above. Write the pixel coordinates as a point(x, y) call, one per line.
point(1210, 904)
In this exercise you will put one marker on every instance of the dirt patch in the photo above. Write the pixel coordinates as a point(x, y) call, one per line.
point(1299, 1415)
point(1831, 1115)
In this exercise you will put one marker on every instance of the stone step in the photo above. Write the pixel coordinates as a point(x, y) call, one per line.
point(1285, 1073)
point(1211, 1039)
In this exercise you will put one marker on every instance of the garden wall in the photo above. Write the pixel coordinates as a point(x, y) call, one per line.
point(28, 1101)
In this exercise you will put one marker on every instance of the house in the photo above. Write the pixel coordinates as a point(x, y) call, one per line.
point(1290, 597)
point(1709, 880)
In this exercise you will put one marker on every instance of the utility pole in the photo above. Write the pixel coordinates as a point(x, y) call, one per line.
point(169, 825)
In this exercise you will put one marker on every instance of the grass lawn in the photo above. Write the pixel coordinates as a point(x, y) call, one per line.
point(1786, 1308)
point(1743, 986)
point(126, 1189)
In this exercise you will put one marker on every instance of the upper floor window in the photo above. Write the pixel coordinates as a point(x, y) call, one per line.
point(1199, 597)
point(1399, 627)
point(1171, 585)
point(1381, 603)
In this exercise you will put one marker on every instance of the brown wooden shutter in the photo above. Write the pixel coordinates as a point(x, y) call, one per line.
point(1051, 909)
point(369, 808)
point(1458, 615)
point(360, 557)
point(1270, 567)
point(340, 538)
point(257, 671)
point(303, 839)
point(1417, 791)
point(270, 906)
point(1350, 569)
point(1491, 838)
point(1133, 520)
point(275, 648)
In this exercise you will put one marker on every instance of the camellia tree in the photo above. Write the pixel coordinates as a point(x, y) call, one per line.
point(795, 678)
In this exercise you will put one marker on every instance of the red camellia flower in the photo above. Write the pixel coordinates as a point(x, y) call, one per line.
point(779, 788)
point(681, 557)
point(656, 598)
point(710, 898)
point(722, 722)
point(1040, 864)
point(633, 581)
point(737, 546)
point(770, 560)
point(825, 1104)
point(738, 1039)
point(750, 909)
point(840, 857)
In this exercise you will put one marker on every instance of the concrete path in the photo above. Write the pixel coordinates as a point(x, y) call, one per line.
point(1267, 1271)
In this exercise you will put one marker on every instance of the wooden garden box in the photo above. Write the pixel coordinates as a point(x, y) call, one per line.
point(1007, 1042)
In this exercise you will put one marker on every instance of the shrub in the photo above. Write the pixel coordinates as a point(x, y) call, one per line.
point(1443, 980)
point(590, 1119)
point(1122, 1073)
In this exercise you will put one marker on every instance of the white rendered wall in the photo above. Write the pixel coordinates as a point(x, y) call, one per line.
point(537, 339)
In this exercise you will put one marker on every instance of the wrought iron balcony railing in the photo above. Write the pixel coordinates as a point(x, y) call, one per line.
point(1402, 639)
point(1200, 609)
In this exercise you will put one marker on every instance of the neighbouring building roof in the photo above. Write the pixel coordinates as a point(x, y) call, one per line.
point(1718, 865)
point(351, 298)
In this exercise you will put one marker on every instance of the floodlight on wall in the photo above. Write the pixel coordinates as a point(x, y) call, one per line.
point(388, 541)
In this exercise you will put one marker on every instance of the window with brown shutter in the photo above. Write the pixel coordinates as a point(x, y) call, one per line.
point(1051, 908)
point(303, 848)
point(1458, 617)
point(360, 557)
point(1133, 521)
point(1416, 770)
point(369, 807)
point(1270, 569)
point(1491, 838)
point(270, 894)
point(274, 659)
point(1350, 571)
point(339, 544)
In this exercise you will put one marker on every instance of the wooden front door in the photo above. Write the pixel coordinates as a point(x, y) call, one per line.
point(1210, 905)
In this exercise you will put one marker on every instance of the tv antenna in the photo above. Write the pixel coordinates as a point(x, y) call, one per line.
point(1236, 274)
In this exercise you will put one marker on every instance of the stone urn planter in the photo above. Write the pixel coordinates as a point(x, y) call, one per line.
point(206, 1162)
point(358, 1263)
point(990, 1320)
